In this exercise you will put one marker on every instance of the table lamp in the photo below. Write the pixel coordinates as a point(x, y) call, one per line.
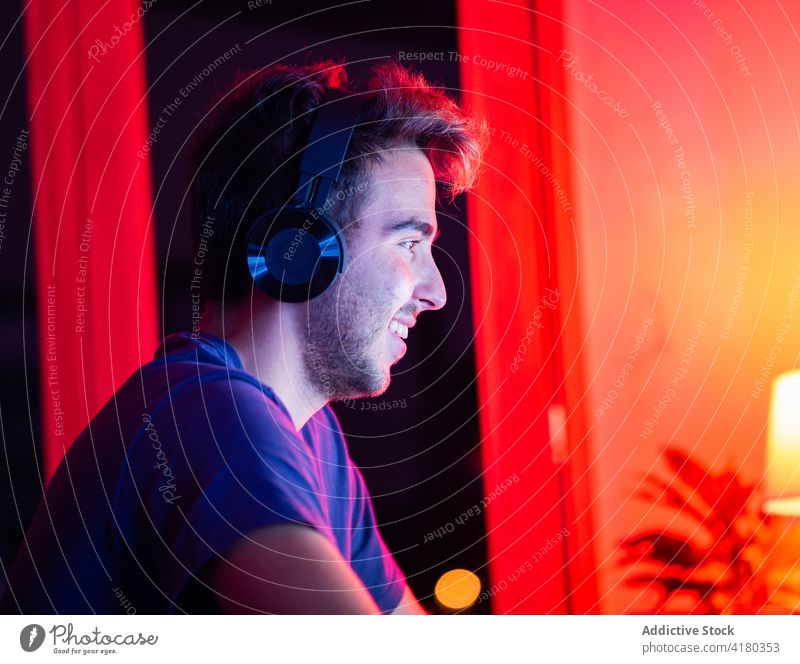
point(782, 490)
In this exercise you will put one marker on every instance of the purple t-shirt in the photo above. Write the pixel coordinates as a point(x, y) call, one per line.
point(189, 456)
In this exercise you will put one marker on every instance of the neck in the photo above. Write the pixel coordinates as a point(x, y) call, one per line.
point(264, 333)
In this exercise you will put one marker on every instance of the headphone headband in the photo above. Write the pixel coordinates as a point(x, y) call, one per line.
point(327, 146)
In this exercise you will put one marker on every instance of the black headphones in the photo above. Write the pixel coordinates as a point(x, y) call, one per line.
point(296, 251)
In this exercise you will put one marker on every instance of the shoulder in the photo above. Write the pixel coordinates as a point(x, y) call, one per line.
point(240, 417)
point(199, 390)
point(219, 423)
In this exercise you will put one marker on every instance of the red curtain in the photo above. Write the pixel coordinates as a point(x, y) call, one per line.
point(93, 231)
point(526, 315)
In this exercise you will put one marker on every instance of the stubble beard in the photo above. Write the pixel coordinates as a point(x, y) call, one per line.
point(342, 344)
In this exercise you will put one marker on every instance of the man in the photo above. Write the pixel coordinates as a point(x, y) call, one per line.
point(217, 478)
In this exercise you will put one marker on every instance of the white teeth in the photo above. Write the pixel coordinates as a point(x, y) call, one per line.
point(398, 328)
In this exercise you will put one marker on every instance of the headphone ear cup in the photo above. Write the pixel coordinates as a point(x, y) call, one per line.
point(295, 253)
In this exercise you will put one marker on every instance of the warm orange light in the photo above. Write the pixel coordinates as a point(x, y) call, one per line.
point(457, 589)
point(782, 495)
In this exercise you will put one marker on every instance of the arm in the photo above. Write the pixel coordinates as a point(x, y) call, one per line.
point(288, 568)
point(409, 606)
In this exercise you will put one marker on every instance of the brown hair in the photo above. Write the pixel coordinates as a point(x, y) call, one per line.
point(245, 157)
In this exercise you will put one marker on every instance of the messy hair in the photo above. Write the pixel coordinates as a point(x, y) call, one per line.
point(246, 154)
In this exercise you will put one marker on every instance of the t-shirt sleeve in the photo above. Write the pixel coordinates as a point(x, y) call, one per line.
point(371, 558)
point(240, 466)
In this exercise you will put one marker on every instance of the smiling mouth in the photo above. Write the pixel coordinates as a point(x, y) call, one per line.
point(396, 327)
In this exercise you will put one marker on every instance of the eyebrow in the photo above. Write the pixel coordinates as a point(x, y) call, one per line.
point(413, 224)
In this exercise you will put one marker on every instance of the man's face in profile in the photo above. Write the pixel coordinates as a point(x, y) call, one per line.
point(356, 329)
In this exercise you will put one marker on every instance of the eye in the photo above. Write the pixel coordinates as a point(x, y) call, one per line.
point(413, 244)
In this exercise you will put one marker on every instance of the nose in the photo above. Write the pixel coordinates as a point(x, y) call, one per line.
point(430, 290)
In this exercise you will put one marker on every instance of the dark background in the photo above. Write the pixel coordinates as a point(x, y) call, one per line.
point(421, 462)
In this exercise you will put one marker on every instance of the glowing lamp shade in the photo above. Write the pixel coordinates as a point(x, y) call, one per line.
point(457, 589)
point(782, 494)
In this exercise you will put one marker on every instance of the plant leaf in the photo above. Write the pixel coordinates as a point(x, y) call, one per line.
point(663, 548)
point(699, 478)
point(673, 496)
point(733, 496)
point(671, 583)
